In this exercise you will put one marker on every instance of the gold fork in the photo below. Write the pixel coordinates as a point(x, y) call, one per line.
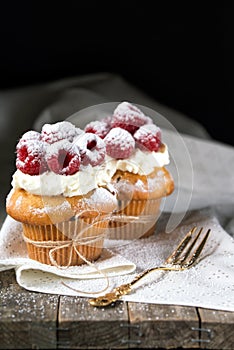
point(183, 257)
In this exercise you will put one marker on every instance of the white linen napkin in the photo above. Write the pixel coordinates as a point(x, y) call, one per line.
point(208, 284)
point(13, 254)
point(204, 176)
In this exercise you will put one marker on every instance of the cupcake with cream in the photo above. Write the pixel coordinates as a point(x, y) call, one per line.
point(72, 187)
point(135, 167)
point(56, 197)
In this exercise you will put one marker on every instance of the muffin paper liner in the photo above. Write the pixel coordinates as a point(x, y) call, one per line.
point(69, 243)
point(134, 219)
point(80, 240)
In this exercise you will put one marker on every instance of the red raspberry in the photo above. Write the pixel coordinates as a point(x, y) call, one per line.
point(98, 127)
point(128, 117)
point(107, 120)
point(92, 149)
point(119, 143)
point(148, 137)
point(30, 135)
point(62, 158)
point(51, 133)
point(31, 157)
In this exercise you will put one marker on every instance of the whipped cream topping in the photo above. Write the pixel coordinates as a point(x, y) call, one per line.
point(51, 184)
point(88, 177)
point(142, 163)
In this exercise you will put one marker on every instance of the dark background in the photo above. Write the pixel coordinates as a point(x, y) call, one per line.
point(180, 53)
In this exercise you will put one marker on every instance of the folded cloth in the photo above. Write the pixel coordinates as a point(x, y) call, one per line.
point(30, 107)
point(13, 254)
point(204, 177)
point(199, 165)
point(203, 171)
point(207, 284)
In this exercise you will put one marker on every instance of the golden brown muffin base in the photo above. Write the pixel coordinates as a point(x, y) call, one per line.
point(142, 201)
point(50, 225)
point(45, 210)
point(139, 219)
point(157, 184)
point(43, 240)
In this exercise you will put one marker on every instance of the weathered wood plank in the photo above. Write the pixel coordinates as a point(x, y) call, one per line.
point(162, 326)
point(82, 326)
point(217, 329)
point(27, 319)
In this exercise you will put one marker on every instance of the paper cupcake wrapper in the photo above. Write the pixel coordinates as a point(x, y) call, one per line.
point(65, 244)
point(135, 219)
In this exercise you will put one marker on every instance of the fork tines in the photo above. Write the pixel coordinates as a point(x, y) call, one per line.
point(182, 255)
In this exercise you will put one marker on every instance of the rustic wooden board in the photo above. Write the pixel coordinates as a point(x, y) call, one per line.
point(163, 326)
point(217, 329)
point(34, 320)
point(27, 319)
point(82, 326)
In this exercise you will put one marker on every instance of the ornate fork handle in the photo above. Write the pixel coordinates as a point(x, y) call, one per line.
point(124, 289)
point(183, 257)
point(111, 297)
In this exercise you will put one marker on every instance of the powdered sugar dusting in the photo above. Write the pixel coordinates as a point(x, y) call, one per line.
point(140, 186)
point(128, 117)
point(120, 136)
point(119, 143)
point(100, 128)
point(148, 137)
point(62, 130)
point(102, 197)
point(18, 202)
point(63, 149)
point(61, 207)
point(126, 107)
point(31, 135)
point(92, 148)
point(148, 128)
point(56, 147)
point(189, 287)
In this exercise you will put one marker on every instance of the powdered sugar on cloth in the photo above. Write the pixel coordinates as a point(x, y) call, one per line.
point(208, 284)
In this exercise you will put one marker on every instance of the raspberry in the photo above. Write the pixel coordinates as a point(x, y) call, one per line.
point(30, 157)
point(92, 149)
point(30, 135)
point(128, 117)
point(62, 158)
point(51, 133)
point(148, 137)
point(97, 127)
point(107, 120)
point(119, 143)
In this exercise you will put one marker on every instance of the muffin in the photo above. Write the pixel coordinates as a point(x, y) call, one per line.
point(55, 195)
point(139, 202)
point(135, 169)
point(74, 188)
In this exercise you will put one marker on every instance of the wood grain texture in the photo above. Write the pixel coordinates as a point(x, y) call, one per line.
point(34, 320)
point(82, 326)
point(27, 319)
point(217, 329)
point(163, 326)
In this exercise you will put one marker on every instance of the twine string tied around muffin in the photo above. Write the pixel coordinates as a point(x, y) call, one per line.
point(72, 244)
point(54, 246)
point(122, 218)
point(79, 240)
